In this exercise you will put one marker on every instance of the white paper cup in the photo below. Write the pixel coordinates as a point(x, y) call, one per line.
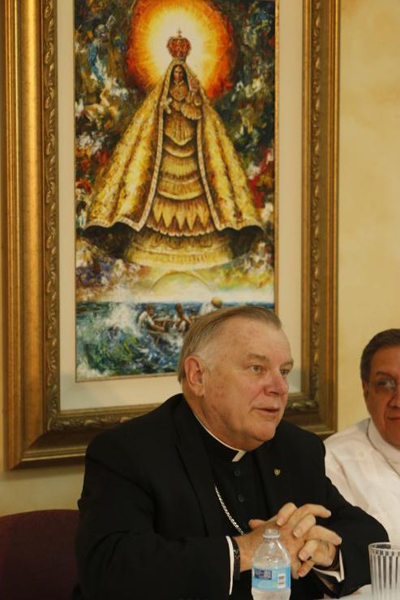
point(384, 560)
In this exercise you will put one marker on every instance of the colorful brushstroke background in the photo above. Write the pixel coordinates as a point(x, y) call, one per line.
point(112, 293)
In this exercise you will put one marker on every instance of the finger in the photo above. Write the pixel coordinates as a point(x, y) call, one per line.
point(315, 510)
point(254, 523)
point(285, 513)
point(295, 566)
point(322, 533)
point(305, 525)
point(308, 550)
point(325, 554)
point(319, 552)
point(295, 572)
point(305, 568)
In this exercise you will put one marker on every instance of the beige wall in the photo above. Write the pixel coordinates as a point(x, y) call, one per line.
point(369, 226)
point(369, 187)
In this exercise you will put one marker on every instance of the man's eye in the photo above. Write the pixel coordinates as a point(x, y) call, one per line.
point(386, 383)
point(285, 372)
point(256, 368)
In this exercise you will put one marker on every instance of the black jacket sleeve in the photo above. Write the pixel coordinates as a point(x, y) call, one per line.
point(139, 542)
point(356, 528)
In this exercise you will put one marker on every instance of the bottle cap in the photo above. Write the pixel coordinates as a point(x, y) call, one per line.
point(271, 532)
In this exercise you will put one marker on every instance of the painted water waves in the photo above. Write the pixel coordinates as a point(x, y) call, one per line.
point(175, 173)
point(115, 339)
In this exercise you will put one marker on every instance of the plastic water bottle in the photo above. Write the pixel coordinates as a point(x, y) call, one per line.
point(271, 569)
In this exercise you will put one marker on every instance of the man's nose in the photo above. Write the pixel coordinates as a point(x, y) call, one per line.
point(277, 384)
point(395, 400)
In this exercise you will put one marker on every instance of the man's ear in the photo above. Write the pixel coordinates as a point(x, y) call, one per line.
point(365, 390)
point(194, 370)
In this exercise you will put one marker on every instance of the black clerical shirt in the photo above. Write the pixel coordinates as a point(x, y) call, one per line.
point(240, 487)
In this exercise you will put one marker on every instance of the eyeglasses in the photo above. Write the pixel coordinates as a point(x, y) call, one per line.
point(384, 387)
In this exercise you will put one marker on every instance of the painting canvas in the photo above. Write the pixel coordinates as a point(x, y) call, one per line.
point(175, 173)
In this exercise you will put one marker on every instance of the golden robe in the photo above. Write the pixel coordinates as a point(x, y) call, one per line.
point(176, 180)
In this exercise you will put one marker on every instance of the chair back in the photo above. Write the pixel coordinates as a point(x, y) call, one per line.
point(37, 558)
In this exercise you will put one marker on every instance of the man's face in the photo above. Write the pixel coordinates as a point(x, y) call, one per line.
point(245, 387)
point(384, 407)
point(178, 74)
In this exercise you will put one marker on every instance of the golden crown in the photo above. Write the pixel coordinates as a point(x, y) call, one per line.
point(178, 46)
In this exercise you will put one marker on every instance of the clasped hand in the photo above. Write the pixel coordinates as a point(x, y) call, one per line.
point(308, 544)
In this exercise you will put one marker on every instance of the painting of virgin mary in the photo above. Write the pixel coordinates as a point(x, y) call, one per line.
point(181, 208)
point(175, 174)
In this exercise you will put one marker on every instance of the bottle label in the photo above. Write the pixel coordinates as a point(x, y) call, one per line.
point(271, 579)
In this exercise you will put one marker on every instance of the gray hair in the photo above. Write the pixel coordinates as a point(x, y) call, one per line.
point(384, 339)
point(206, 328)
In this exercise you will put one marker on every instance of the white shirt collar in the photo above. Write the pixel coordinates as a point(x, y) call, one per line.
point(389, 452)
point(239, 453)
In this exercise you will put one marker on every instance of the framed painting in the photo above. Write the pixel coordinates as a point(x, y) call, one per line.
point(89, 103)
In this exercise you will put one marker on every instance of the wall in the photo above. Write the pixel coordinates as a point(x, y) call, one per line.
point(369, 219)
point(369, 187)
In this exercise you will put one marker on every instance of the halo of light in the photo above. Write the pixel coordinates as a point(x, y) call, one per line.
point(213, 52)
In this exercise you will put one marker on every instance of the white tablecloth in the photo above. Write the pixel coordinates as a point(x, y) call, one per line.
point(364, 593)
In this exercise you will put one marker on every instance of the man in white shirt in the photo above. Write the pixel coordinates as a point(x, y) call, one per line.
point(146, 320)
point(363, 461)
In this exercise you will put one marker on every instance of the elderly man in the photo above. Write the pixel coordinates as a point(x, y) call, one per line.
point(175, 502)
point(363, 461)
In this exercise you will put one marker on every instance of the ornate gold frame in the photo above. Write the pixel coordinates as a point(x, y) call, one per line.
point(38, 431)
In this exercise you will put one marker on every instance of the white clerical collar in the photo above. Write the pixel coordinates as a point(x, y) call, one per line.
point(389, 452)
point(239, 453)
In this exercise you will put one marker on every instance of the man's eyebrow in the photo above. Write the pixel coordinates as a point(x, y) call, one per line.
point(386, 373)
point(288, 363)
point(260, 357)
point(265, 359)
